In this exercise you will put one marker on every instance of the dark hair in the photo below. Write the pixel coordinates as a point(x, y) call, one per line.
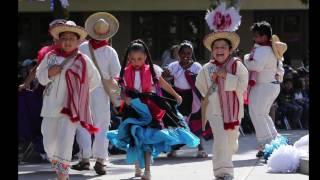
point(262, 28)
point(187, 44)
point(298, 84)
point(227, 40)
point(137, 45)
point(78, 36)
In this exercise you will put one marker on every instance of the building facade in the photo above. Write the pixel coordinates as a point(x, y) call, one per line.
point(161, 23)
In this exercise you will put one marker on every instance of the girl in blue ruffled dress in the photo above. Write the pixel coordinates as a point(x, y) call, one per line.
point(151, 124)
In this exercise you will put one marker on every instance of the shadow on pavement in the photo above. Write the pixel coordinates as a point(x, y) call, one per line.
point(247, 163)
point(164, 160)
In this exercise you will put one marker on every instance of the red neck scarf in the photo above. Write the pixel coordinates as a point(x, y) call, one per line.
point(61, 52)
point(218, 64)
point(43, 51)
point(76, 103)
point(145, 77)
point(97, 43)
point(229, 102)
point(146, 85)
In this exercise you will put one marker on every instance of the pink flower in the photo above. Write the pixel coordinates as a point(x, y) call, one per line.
point(227, 21)
point(217, 19)
point(221, 21)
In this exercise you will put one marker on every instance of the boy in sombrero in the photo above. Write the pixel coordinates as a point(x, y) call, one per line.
point(265, 74)
point(222, 82)
point(101, 27)
point(68, 76)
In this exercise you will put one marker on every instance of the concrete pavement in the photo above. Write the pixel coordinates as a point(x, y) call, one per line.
point(184, 167)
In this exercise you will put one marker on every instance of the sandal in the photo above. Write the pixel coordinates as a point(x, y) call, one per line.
point(260, 154)
point(146, 175)
point(100, 168)
point(172, 154)
point(202, 154)
point(138, 172)
point(81, 166)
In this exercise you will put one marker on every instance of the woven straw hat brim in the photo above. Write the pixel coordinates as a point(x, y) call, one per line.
point(59, 28)
point(278, 47)
point(109, 18)
point(231, 36)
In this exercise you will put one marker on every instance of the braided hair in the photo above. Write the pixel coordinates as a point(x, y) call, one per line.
point(187, 44)
point(137, 45)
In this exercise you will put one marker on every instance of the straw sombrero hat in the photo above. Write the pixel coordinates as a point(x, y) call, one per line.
point(223, 22)
point(278, 47)
point(101, 25)
point(231, 36)
point(68, 26)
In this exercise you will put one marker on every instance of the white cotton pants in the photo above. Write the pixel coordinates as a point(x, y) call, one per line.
point(58, 137)
point(100, 111)
point(225, 144)
point(261, 99)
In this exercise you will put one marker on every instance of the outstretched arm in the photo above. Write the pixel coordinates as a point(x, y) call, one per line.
point(167, 87)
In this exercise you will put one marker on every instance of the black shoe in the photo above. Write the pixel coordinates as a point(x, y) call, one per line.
point(260, 154)
point(81, 166)
point(100, 168)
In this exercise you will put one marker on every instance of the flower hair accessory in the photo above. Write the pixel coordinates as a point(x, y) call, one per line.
point(223, 22)
point(222, 19)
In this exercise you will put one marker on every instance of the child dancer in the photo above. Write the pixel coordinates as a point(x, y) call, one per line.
point(265, 74)
point(68, 76)
point(142, 133)
point(222, 82)
point(184, 73)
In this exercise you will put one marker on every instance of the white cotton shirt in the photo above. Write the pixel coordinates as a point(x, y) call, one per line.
point(298, 96)
point(265, 63)
point(237, 82)
point(137, 81)
point(56, 86)
point(107, 59)
point(177, 72)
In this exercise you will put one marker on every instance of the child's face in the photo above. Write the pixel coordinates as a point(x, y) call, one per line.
point(220, 50)
point(185, 55)
point(69, 41)
point(137, 59)
point(257, 38)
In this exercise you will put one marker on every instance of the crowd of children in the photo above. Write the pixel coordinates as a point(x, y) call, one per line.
point(84, 83)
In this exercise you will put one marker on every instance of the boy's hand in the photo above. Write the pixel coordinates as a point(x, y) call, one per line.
point(54, 70)
point(278, 77)
point(214, 76)
point(222, 73)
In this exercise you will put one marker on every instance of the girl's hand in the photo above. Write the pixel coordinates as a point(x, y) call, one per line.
point(127, 100)
point(166, 73)
point(179, 99)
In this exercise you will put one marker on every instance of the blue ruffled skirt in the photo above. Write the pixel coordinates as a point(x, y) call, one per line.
point(135, 137)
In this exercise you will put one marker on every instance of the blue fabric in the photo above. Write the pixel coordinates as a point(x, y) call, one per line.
point(274, 144)
point(135, 137)
point(29, 119)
